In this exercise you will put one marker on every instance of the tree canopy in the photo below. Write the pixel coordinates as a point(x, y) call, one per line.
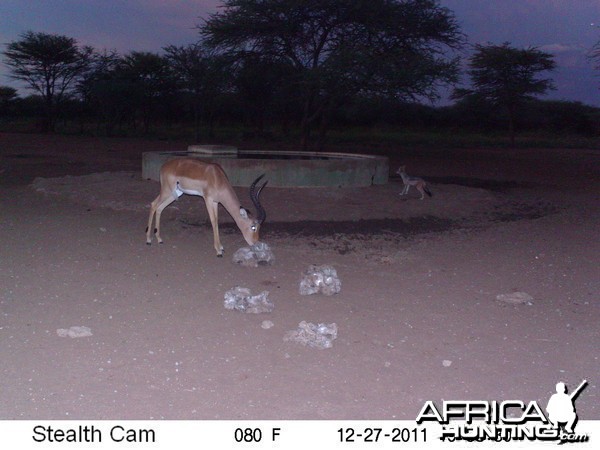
point(202, 75)
point(48, 64)
point(507, 76)
point(342, 48)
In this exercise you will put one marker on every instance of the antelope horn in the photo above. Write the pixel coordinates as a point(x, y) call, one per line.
point(261, 214)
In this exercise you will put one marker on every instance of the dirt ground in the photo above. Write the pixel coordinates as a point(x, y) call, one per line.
point(417, 314)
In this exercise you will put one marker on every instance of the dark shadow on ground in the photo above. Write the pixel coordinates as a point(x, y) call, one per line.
point(404, 227)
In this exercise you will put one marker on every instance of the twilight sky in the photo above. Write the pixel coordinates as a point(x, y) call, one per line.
point(565, 28)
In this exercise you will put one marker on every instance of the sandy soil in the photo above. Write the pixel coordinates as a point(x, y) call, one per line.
point(417, 314)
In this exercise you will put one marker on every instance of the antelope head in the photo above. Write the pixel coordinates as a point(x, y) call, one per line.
point(251, 227)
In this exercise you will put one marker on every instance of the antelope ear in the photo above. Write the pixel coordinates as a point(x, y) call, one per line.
point(243, 213)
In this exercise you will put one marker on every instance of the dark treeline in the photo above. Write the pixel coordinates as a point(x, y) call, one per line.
point(126, 114)
point(286, 69)
point(551, 116)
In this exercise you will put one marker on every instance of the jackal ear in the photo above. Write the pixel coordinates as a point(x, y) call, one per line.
point(243, 212)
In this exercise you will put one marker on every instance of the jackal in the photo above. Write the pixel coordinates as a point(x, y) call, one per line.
point(409, 181)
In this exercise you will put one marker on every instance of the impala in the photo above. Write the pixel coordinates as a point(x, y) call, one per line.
point(193, 177)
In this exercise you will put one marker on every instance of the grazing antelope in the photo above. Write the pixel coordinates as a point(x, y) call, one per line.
point(417, 182)
point(194, 177)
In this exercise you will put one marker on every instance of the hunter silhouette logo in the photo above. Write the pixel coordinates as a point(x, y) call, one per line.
point(508, 420)
point(561, 407)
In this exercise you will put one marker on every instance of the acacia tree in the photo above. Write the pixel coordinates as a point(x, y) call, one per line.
point(261, 86)
point(506, 77)
point(106, 92)
point(342, 48)
point(48, 64)
point(201, 73)
point(151, 82)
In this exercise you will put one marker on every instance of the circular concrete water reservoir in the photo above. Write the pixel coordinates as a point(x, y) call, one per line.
point(282, 168)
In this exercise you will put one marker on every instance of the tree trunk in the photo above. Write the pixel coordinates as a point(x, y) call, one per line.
point(197, 114)
point(308, 118)
point(196, 124)
point(305, 138)
point(326, 114)
point(305, 128)
point(322, 133)
point(511, 125)
point(48, 120)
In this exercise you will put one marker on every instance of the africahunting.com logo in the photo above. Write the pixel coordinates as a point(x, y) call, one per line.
point(510, 420)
